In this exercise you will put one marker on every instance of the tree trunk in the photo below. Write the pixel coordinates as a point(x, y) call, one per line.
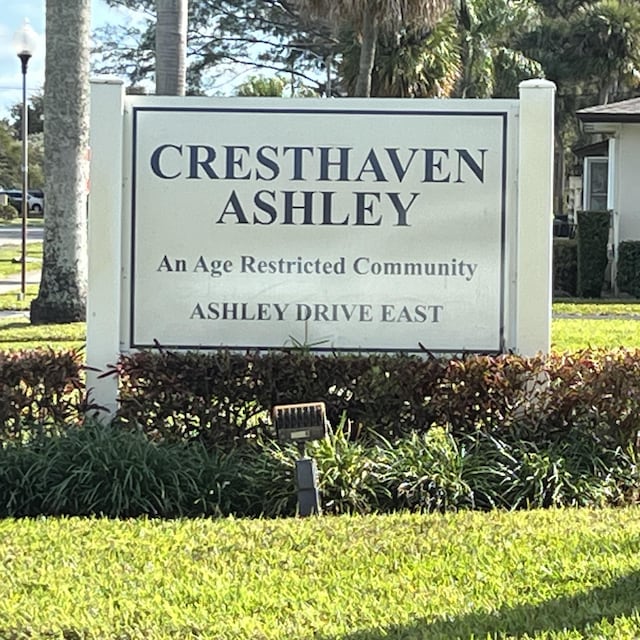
point(63, 287)
point(367, 53)
point(171, 47)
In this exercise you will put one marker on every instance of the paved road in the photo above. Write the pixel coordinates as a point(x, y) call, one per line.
point(12, 234)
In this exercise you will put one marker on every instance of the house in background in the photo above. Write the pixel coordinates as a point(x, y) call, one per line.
point(611, 169)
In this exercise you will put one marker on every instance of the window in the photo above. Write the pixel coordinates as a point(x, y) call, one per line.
point(596, 171)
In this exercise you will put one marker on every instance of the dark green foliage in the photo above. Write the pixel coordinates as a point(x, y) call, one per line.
point(573, 470)
point(115, 472)
point(565, 267)
point(592, 234)
point(628, 275)
point(8, 212)
point(39, 389)
point(102, 470)
point(426, 472)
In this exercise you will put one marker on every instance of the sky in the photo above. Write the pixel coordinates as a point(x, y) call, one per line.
point(11, 19)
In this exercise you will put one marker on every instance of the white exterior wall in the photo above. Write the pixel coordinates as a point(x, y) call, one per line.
point(627, 181)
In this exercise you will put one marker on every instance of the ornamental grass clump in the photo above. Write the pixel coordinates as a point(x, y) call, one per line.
point(107, 471)
point(425, 472)
point(115, 472)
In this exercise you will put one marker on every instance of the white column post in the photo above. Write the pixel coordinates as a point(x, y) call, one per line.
point(612, 205)
point(105, 231)
point(535, 217)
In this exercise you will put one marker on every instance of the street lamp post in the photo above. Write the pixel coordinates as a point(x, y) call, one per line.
point(24, 42)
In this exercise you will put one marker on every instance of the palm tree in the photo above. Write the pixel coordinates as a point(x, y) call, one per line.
point(410, 63)
point(63, 287)
point(171, 47)
point(492, 67)
point(366, 18)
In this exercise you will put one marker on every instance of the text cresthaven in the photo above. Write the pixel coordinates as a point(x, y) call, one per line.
point(388, 168)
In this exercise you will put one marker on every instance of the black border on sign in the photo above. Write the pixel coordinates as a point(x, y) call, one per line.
point(502, 114)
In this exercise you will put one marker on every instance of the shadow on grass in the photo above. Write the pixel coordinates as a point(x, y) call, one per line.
point(10, 323)
point(572, 613)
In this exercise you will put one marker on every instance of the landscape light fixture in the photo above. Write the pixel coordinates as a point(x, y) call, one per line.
point(24, 42)
point(300, 423)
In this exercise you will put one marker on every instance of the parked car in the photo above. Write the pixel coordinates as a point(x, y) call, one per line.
point(35, 198)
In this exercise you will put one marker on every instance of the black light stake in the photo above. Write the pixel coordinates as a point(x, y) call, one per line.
point(24, 42)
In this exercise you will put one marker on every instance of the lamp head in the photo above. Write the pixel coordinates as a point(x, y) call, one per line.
point(25, 40)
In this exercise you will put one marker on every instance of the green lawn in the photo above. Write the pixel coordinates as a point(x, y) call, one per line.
point(10, 259)
point(576, 334)
point(538, 574)
point(18, 333)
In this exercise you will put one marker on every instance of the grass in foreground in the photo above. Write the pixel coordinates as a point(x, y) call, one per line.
point(598, 308)
point(576, 334)
point(542, 574)
point(10, 255)
point(18, 333)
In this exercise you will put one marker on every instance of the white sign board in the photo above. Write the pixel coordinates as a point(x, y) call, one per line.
point(372, 225)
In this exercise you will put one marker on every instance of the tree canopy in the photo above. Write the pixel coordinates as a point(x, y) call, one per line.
point(590, 48)
point(225, 39)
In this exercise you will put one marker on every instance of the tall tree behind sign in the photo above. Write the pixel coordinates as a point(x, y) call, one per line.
point(171, 47)
point(63, 287)
point(367, 16)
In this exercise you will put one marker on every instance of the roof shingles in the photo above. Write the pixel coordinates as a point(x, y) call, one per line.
point(624, 111)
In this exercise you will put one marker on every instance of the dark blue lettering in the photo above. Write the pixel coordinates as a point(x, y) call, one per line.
point(233, 208)
point(155, 160)
point(363, 208)
point(298, 172)
point(265, 206)
point(306, 207)
point(204, 163)
point(233, 161)
point(376, 169)
point(327, 209)
point(342, 163)
point(463, 154)
point(267, 162)
point(401, 171)
point(431, 163)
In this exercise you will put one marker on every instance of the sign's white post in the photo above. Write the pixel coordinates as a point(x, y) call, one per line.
point(535, 217)
point(105, 240)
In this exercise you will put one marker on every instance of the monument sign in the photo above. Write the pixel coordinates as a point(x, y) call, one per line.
point(341, 225)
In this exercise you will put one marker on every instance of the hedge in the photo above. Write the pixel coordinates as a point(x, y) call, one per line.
point(628, 276)
point(194, 436)
point(565, 267)
point(220, 399)
point(592, 234)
